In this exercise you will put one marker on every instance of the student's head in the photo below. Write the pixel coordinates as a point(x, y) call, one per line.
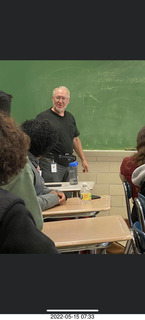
point(139, 157)
point(42, 134)
point(5, 102)
point(141, 138)
point(14, 145)
point(60, 99)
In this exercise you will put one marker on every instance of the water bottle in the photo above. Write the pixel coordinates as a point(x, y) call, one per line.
point(73, 172)
point(85, 193)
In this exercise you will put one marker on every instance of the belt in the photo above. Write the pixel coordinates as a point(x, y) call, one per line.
point(62, 159)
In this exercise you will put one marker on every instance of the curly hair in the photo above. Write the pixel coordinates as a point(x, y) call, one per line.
point(14, 145)
point(42, 134)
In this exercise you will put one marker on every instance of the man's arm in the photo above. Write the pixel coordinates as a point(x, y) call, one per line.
point(79, 150)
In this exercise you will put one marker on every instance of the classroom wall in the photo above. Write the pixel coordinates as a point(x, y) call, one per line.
point(104, 168)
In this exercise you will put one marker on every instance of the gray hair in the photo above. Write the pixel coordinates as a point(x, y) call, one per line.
point(62, 87)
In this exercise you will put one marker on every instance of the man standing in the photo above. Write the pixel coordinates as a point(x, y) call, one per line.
point(54, 166)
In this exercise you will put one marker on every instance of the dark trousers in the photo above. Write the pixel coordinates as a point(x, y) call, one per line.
point(62, 174)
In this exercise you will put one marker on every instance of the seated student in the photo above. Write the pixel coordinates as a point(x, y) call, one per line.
point(13, 141)
point(138, 179)
point(18, 231)
point(5, 102)
point(43, 137)
point(129, 164)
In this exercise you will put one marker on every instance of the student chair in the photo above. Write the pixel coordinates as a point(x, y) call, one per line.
point(138, 228)
point(139, 238)
point(140, 206)
point(131, 246)
point(128, 195)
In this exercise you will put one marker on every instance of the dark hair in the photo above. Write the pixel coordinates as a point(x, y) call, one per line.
point(5, 102)
point(14, 145)
point(139, 157)
point(42, 134)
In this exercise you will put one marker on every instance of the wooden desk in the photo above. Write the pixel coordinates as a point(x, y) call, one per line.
point(80, 234)
point(66, 186)
point(74, 207)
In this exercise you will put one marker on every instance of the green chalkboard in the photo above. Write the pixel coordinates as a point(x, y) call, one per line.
point(107, 96)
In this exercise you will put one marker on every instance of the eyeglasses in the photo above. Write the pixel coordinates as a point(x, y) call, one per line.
point(59, 98)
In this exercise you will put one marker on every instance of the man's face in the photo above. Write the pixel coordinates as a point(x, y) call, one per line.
point(60, 100)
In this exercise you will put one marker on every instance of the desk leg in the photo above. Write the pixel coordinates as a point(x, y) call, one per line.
point(75, 194)
point(99, 251)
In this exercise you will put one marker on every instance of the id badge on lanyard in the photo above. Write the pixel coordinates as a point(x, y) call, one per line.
point(53, 167)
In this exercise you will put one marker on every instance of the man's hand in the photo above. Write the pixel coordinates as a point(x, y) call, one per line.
point(85, 165)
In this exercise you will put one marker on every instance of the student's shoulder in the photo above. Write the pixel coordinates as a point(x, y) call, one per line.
point(27, 169)
point(128, 159)
point(128, 163)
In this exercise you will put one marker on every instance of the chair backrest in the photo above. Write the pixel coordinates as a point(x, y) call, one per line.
point(128, 195)
point(140, 206)
point(139, 238)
